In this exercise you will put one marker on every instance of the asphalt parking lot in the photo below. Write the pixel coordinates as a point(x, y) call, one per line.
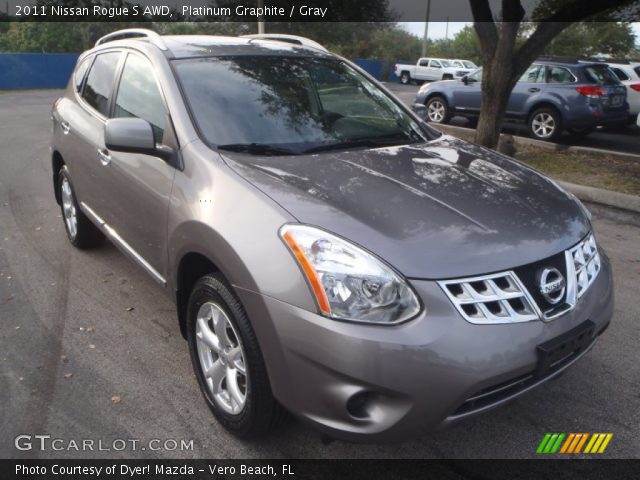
point(625, 140)
point(90, 347)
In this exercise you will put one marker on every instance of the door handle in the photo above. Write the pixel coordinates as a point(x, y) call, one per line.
point(104, 156)
point(66, 128)
point(534, 89)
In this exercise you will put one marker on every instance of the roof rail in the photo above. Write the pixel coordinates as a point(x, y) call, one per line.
point(598, 59)
point(286, 38)
point(153, 37)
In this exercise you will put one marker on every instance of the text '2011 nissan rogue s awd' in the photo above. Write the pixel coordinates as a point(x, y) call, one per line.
point(330, 254)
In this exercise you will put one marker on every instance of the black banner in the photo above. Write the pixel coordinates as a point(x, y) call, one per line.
point(320, 469)
point(304, 10)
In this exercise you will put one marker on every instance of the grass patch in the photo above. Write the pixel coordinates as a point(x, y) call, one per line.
point(610, 172)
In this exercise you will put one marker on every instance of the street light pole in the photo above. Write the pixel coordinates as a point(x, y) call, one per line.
point(426, 29)
point(261, 18)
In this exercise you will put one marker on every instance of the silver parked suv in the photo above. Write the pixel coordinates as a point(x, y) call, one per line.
point(329, 253)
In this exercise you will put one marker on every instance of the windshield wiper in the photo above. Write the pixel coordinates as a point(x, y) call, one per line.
point(373, 142)
point(257, 149)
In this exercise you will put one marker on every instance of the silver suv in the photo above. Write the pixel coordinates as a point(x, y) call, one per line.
point(329, 253)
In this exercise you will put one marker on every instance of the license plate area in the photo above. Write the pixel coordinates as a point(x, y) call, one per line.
point(616, 100)
point(555, 352)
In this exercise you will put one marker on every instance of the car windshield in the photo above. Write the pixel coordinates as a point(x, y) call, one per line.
point(601, 74)
point(276, 105)
point(469, 65)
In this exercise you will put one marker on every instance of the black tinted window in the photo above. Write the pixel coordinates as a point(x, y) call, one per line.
point(81, 71)
point(139, 95)
point(620, 74)
point(97, 90)
point(601, 74)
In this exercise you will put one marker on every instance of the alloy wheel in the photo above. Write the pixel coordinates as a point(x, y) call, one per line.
point(222, 358)
point(69, 208)
point(436, 111)
point(543, 125)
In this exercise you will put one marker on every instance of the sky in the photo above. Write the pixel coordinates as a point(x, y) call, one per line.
point(439, 29)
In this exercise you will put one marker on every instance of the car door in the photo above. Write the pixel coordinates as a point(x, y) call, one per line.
point(467, 96)
point(83, 124)
point(139, 185)
point(435, 70)
point(530, 85)
point(422, 69)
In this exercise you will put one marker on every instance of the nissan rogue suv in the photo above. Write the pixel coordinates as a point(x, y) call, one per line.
point(329, 254)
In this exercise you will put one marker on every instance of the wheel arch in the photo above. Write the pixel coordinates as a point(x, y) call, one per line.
point(544, 104)
point(192, 266)
point(57, 162)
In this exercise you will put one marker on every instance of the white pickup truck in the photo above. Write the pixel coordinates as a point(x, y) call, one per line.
point(429, 69)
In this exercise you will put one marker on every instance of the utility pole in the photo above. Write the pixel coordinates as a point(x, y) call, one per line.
point(446, 35)
point(426, 29)
point(261, 18)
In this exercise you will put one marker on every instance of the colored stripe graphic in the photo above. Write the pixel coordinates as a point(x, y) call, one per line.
point(572, 443)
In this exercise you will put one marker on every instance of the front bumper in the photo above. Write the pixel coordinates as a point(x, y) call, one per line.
point(380, 384)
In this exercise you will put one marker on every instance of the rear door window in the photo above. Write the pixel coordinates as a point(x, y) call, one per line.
point(560, 75)
point(99, 86)
point(139, 95)
point(600, 74)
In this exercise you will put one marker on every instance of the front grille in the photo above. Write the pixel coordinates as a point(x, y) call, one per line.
point(515, 296)
point(586, 263)
point(496, 298)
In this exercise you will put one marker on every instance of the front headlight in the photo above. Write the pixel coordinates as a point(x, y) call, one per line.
point(347, 282)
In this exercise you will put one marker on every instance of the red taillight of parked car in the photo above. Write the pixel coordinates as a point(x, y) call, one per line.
point(55, 104)
point(636, 87)
point(590, 91)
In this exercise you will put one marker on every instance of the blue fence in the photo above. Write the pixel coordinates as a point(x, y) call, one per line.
point(52, 70)
point(35, 70)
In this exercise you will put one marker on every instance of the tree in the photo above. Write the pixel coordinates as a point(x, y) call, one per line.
point(504, 59)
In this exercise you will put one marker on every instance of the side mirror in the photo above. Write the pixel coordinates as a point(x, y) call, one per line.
point(465, 80)
point(133, 135)
point(420, 110)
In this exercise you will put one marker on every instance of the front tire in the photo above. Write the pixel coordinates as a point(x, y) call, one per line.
point(405, 78)
point(81, 232)
point(228, 362)
point(438, 110)
point(545, 124)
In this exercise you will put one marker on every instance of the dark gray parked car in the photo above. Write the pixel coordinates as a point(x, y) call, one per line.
point(550, 97)
point(329, 254)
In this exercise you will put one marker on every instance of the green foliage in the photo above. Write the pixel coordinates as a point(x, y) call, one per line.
point(464, 45)
point(591, 38)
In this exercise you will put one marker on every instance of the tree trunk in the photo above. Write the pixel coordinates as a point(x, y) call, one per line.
point(496, 85)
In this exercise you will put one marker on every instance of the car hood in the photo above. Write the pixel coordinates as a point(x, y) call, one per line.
point(437, 210)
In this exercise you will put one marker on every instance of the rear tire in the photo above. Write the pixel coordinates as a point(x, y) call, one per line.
point(447, 76)
point(405, 78)
point(438, 110)
point(545, 124)
point(82, 233)
point(222, 342)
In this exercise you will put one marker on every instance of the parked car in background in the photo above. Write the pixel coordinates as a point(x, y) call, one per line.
point(550, 97)
point(328, 253)
point(464, 64)
point(429, 69)
point(629, 75)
